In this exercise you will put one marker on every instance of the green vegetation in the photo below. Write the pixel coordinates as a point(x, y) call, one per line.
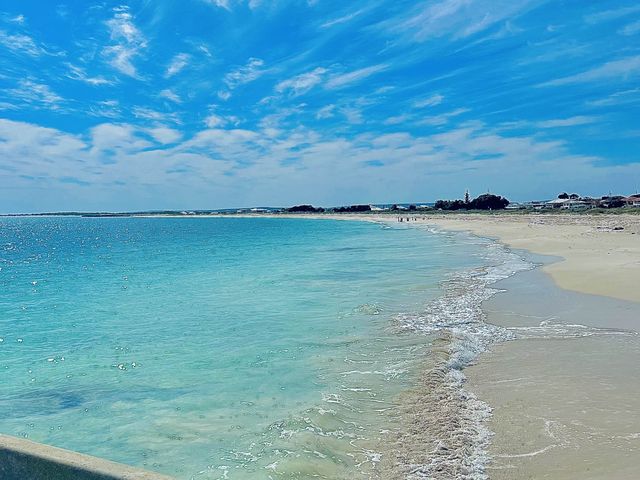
point(486, 201)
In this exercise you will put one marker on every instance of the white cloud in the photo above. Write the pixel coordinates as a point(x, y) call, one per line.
point(567, 122)
point(105, 109)
point(245, 74)
point(36, 94)
point(343, 19)
point(318, 167)
point(618, 98)
point(78, 73)
point(226, 4)
point(353, 115)
point(165, 135)
point(107, 137)
point(19, 19)
point(454, 18)
point(128, 42)
point(224, 95)
point(214, 121)
point(34, 151)
point(170, 95)
point(150, 114)
point(326, 112)
point(302, 83)
point(607, 15)
point(121, 59)
point(121, 27)
point(631, 28)
point(177, 64)
point(396, 120)
point(343, 80)
point(443, 118)
point(621, 69)
point(20, 43)
point(431, 101)
point(204, 49)
point(8, 106)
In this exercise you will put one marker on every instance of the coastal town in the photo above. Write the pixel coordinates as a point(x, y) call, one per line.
point(576, 202)
point(565, 202)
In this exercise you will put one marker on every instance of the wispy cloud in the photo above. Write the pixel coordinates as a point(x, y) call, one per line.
point(353, 115)
point(345, 79)
point(613, 14)
point(618, 98)
point(128, 42)
point(631, 28)
point(78, 73)
point(245, 74)
point(621, 69)
point(105, 109)
point(343, 19)
point(224, 95)
point(443, 118)
point(431, 101)
point(453, 18)
point(150, 114)
point(326, 112)
point(205, 50)
point(177, 64)
point(36, 94)
point(19, 19)
point(170, 95)
point(567, 122)
point(20, 43)
point(396, 120)
point(226, 4)
point(301, 84)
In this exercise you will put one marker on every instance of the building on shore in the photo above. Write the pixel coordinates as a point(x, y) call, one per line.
point(632, 201)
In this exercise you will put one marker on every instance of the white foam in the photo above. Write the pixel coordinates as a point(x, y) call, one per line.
point(453, 418)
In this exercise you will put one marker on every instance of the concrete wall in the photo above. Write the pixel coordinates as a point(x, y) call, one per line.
point(24, 460)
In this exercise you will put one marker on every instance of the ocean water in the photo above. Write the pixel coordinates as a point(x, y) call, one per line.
point(247, 347)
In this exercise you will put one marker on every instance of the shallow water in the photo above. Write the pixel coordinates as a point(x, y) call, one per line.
point(218, 348)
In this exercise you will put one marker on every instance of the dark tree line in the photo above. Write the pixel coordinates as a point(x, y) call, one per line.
point(305, 209)
point(486, 201)
point(353, 208)
point(312, 209)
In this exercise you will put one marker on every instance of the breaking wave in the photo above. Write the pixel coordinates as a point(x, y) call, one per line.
point(443, 434)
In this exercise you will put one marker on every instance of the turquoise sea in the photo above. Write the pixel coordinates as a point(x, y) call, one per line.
point(225, 347)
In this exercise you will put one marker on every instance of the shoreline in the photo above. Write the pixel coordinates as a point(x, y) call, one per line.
point(560, 404)
point(593, 256)
point(597, 254)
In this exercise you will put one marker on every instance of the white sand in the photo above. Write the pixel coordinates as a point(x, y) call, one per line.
point(595, 258)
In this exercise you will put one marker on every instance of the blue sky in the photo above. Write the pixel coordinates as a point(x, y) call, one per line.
point(153, 104)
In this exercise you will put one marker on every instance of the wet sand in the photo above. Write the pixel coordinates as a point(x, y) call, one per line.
point(566, 394)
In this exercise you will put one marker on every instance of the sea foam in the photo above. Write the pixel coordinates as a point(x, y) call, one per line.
point(444, 435)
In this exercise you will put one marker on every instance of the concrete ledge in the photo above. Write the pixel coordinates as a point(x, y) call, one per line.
point(21, 460)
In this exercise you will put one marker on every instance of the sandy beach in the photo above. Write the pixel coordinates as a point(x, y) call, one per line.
point(599, 254)
point(565, 394)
